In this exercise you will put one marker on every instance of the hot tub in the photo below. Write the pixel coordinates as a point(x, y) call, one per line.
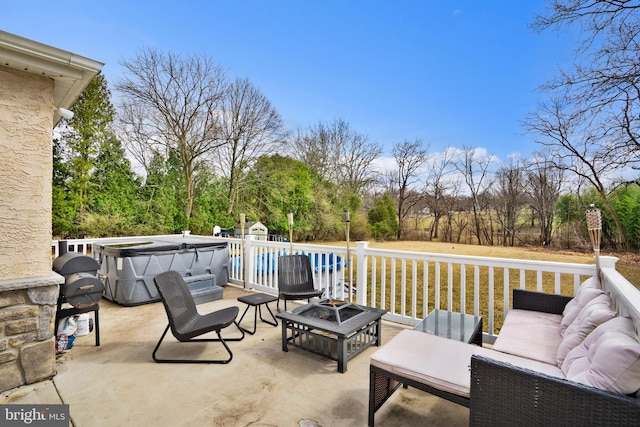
point(128, 267)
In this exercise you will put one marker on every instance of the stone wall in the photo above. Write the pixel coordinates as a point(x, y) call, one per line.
point(27, 315)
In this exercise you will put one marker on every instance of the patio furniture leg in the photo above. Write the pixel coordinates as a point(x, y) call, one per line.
point(380, 389)
point(275, 321)
point(97, 325)
point(342, 351)
point(219, 339)
point(284, 336)
point(278, 305)
point(258, 309)
point(254, 321)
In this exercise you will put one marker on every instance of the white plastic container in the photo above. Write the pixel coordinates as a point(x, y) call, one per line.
point(82, 324)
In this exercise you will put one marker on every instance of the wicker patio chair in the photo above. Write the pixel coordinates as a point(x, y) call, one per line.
point(184, 320)
point(295, 279)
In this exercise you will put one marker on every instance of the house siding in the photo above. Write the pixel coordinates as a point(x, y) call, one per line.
point(26, 115)
point(28, 287)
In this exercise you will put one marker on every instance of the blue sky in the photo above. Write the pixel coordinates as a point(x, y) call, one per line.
point(451, 73)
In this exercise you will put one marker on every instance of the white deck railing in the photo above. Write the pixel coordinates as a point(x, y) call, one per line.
point(411, 284)
point(624, 295)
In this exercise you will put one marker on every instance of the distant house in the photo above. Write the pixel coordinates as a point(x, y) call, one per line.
point(37, 84)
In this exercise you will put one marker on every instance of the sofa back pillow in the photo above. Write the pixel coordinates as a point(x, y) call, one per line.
point(591, 282)
point(614, 364)
point(595, 313)
point(577, 360)
point(573, 307)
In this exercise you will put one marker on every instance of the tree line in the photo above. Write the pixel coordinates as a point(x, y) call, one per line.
point(188, 148)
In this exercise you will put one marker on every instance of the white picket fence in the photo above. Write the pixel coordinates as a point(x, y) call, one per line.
point(410, 284)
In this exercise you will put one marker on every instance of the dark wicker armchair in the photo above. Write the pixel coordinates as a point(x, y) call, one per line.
point(295, 279)
point(185, 321)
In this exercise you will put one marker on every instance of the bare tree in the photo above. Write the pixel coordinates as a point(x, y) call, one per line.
point(250, 127)
point(594, 118)
point(339, 154)
point(544, 183)
point(575, 147)
point(438, 190)
point(356, 171)
point(410, 157)
point(509, 199)
point(317, 148)
point(475, 170)
point(605, 82)
point(462, 218)
point(169, 102)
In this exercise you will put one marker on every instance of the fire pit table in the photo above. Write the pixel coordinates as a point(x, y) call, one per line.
point(334, 329)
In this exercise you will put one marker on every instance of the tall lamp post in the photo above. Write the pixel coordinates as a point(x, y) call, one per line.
point(290, 222)
point(594, 225)
point(347, 223)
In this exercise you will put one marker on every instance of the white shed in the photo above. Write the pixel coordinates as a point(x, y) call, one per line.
point(253, 229)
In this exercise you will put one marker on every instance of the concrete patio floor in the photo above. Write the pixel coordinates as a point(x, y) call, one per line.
point(118, 384)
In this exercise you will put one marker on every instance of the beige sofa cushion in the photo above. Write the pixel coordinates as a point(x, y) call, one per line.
point(534, 317)
point(440, 362)
point(608, 359)
point(593, 314)
point(591, 282)
point(573, 307)
point(576, 359)
point(531, 334)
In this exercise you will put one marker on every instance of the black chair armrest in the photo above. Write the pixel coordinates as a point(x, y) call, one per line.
point(506, 395)
point(538, 301)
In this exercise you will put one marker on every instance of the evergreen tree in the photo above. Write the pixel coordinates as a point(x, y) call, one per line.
point(383, 218)
point(281, 185)
point(114, 196)
point(210, 206)
point(626, 203)
point(62, 210)
point(75, 156)
point(162, 196)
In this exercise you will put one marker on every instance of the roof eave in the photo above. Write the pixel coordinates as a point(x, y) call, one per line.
point(71, 73)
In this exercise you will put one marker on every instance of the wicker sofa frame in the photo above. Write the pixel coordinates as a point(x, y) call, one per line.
point(502, 394)
point(506, 395)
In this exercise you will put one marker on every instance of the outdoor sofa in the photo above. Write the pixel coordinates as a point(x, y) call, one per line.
point(557, 361)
